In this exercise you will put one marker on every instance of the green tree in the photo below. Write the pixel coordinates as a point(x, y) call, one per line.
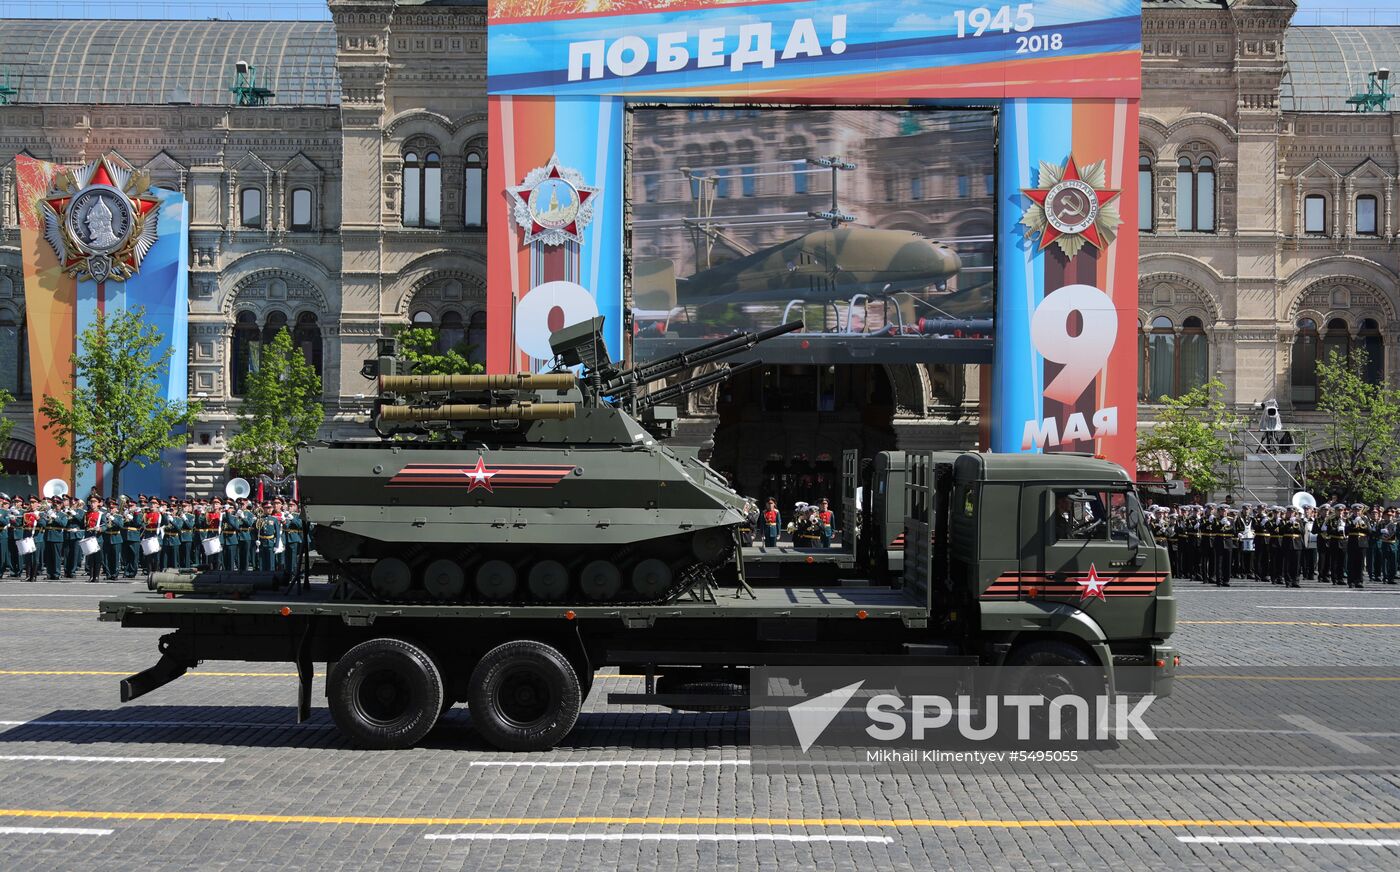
point(6, 423)
point(1358, 453)
point(282, 406)
point(115, 411)
point(1191, 439)
point(418, 350)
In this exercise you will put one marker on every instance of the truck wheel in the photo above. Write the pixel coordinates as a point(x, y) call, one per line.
point(1052, 668)
point(385, 694)
point(524, 696)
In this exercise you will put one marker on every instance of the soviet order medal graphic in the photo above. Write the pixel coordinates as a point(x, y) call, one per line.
point(552, 204)
point(1071, 208)
point(100, 220)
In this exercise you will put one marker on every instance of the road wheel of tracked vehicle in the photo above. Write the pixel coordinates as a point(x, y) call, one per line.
point(651, 578)
point(444, 579)
point(548, 580)
point(390, 577)
point(385, 694)
point(712, 546)
point(524, 696)
point(495, 580)
point(600, 580)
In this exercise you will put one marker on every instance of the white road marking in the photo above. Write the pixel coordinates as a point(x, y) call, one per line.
point(52, 831)
point(1158, 768)
point(71, 758)
point(1299, 608)
point(39, 722)
point(1286, 840)
point(650, 837)
point(565, 764)
point(1327, 734)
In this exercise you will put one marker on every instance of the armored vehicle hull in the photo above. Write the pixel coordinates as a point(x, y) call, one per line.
point(519, 523)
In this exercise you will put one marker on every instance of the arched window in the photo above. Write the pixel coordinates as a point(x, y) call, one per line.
point(1304, 366)
point(247, 343)
point(1145, 194)
point(1195, 195)
point(14, 354)
point(1370, 341)
point(1161, 360)
point(1337, 340)
point(422, 189)
point(250, 207)
point(1314, 214)
point(422, 319)
point(452, 332)
point(275, 321)
point(476, 337)
point(1366, 215)
point(306, 337)
point(1192, 369)
point(301, 208)
point(474, 183)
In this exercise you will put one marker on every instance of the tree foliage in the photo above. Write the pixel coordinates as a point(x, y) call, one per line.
point(1357, 455)
point(1191, 439)
point(282, 407)
point(418, 351)
point(7, 424)
point(115, 411)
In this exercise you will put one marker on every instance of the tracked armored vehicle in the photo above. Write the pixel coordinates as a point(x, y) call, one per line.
point(529, 488)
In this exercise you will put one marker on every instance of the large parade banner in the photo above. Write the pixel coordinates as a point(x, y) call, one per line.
point(96, 239)
point(1057, 81)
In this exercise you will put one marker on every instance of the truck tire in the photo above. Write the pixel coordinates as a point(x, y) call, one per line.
point(524, 696)
point(1052, 668)
point(385, 694)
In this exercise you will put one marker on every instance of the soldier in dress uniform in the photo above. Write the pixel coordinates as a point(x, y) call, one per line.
point(827, 519)
point(6, 520)
point(246, 521)
point(72, 535)
point(184, 552)
point(1309, 524)
point(1358, 538)
point(1373, 546)
point(1290, 544)
point(1388, 533)
point(33, 530)
point(228, 533)
point(772, 523)
point(54, 522)
point(131, 538)
point(169, 536)
point(291, 522)
point(268, 529)
point(112, 541)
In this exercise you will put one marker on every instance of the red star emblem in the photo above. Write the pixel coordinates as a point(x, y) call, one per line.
point(1092, 584)
point(479, 476)
point(1039, 196)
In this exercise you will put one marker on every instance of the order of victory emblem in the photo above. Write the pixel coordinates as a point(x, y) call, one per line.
point(99, 219)
point(1071, 208)
point(552, 205)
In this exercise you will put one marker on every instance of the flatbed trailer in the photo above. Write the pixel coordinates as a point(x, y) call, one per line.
point(984, 583)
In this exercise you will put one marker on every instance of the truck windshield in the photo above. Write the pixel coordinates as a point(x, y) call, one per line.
point(1089, 513)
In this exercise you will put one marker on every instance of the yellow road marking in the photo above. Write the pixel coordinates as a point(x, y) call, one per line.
point(884, 823)
point(1290, 623)
point(1291, 677)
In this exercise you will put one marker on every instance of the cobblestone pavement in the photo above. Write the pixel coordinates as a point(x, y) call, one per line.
point(1262, 766)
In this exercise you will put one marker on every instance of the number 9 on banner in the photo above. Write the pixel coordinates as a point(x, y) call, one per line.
point(1083, 354)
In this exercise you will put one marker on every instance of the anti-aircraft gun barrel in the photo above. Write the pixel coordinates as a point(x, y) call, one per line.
point(477, 412)
point(680, 389)
point(681, 361)
point(521, 381)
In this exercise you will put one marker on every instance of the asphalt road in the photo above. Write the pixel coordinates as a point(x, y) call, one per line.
point(1280, 751)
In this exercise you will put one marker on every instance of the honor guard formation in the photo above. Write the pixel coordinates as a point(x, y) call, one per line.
point(123, 538)
point(1333, 543)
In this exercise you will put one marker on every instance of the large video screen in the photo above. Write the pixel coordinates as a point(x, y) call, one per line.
point(875, 227)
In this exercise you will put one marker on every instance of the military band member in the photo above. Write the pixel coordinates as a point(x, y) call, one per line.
point(1291, 546)
point(213, 526)
point(246, 522)
point(1390, 547)
point(131, 538)
point(72, 535)
point(827, 519)
point(112, 541)
point(294, 536)
point(1358, 536)
point(772, 523)
point(169, 537)
point(268, 529)
point(54, 523)
point(184, 555)
point(1373, 546)
point(228, 534)
point(33, 530)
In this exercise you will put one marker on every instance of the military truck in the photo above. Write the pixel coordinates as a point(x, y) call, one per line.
point(1007, 560)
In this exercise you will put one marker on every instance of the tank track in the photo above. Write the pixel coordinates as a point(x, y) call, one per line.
point(691, 579)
